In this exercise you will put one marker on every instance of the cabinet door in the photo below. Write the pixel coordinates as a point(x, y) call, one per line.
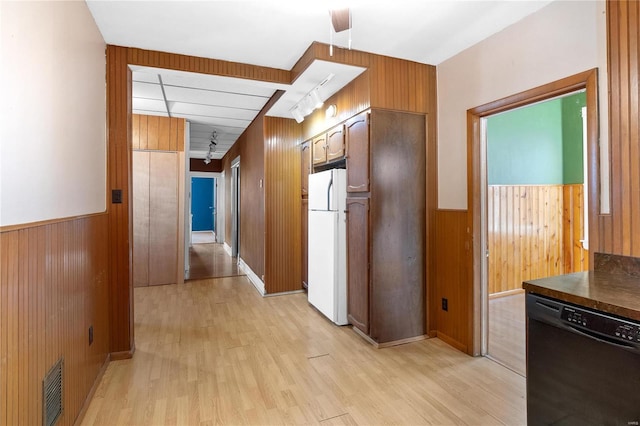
point(358, 263)
point(357, 136)
point(305, 167)
point(305, 237)
point(320, 150)
point(335, 143)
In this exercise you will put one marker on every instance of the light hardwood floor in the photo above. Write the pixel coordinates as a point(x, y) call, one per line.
point(507, 332)
point(211, 261)
point(215, 352)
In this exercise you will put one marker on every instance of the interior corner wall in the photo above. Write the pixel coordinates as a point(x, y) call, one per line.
point(250, 148)
point(53, 150)
point(560, 40)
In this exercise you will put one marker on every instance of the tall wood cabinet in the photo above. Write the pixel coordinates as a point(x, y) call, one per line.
point(386, 224)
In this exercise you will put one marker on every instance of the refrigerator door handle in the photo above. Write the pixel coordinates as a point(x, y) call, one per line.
point(329, 188)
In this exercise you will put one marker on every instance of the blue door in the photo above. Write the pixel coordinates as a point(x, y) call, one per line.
point(202, 204)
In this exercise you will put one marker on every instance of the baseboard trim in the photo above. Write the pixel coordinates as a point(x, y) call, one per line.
point(253, 278)
point(388, 344)
point(118, 356)
point(227, 248)
point(283, 293)
point(402, 341)
point(452, 342)
point(506, 293)
point(92, 391)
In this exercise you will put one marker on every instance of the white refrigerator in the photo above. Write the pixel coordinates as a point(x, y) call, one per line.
point(327, 285)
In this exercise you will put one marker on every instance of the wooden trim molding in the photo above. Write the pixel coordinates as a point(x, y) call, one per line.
point(586, 80)
point(17, 227)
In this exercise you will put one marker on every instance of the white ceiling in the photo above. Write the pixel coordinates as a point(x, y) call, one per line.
point(275, 33)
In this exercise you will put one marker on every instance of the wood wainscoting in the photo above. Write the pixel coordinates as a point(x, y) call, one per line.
point(619, 232)
point(450, 276)
point(54, 285)
point(534, 231)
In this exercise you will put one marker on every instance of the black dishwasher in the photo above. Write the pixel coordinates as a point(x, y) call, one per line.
point(583, 365)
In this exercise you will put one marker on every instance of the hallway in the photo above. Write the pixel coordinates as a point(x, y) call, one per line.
point(209, 260)
point(214, 351)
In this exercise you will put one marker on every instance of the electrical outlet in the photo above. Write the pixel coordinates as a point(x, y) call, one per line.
point(90, 335)
point(445, 304)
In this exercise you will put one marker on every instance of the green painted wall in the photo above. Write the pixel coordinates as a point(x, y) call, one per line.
point(572, 154)
point(537, 145)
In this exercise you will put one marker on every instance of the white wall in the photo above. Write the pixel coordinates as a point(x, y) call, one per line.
point(53, 112)
point(561, 39)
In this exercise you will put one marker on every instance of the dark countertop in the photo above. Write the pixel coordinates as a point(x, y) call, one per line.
point(617, 294)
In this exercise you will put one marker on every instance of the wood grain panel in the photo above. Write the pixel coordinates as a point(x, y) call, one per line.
point(200, 65)
point(450, 279)
point(250, 148)
point(397, 225)
point(534, 232)
point(163, 218)
point(150, 132)
point(283, 226)
point(120, 215)
point(53, 285)
point(620, 232)
point(358, 289)
point(140, 218)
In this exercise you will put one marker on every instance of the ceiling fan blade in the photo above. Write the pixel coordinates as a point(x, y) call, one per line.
point(340, 19)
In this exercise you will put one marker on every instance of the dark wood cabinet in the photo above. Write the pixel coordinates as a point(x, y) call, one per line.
point(358, 262)
point(357, 141)
point(305, 168)
point(320, 149)
point(335, 143)
point(386, 225)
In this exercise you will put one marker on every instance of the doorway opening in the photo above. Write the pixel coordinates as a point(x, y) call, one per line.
point(535, 204)
point(203, 210)
point(478, 190)
point(208, 257)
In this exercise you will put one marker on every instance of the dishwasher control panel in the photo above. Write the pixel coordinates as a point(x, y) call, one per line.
point(604, 325)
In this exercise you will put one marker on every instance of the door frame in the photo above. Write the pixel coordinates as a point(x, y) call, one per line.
point(235, 207)
point(476, 187)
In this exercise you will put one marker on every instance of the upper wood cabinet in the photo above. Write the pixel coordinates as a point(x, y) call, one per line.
point(305, 167)
point(335, 143)
point(320, 149)
point(357, 138)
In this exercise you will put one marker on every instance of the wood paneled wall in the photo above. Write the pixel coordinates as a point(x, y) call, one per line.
point(150, 132)
point(534, 231)
point(619, 233)
point(250, 148)
point(574, 257)
point(283, 225)
point(54, 284)
point(120, 215)
point(450, 278)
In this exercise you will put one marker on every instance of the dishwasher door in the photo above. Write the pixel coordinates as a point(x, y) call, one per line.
point(580, 368)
